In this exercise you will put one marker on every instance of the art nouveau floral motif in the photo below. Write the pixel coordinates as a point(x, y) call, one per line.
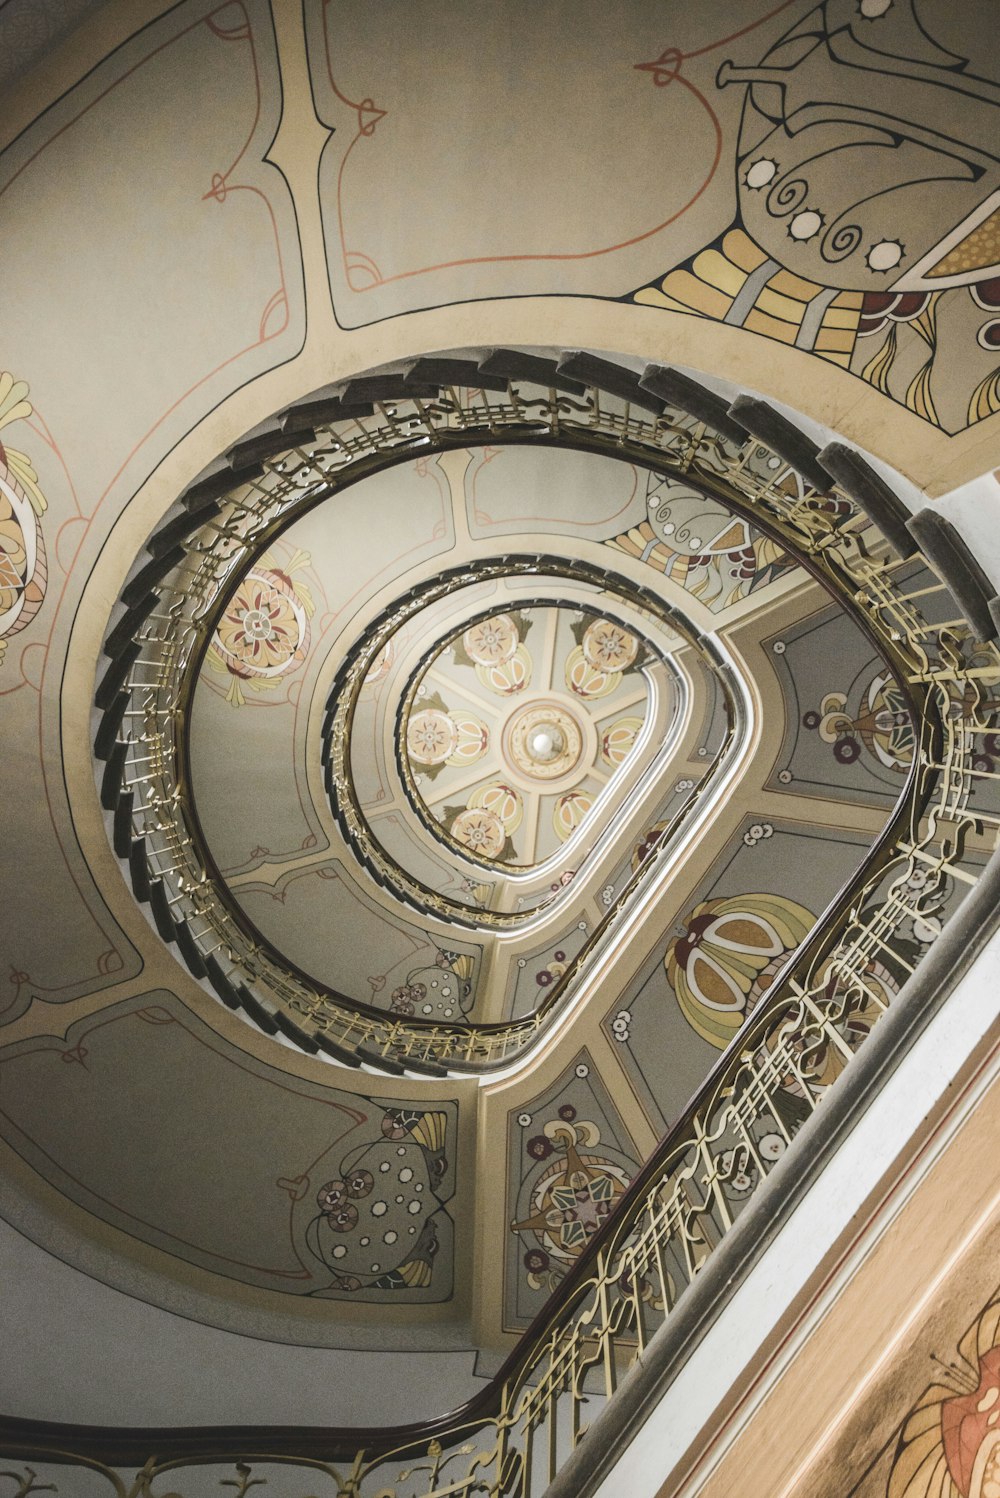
point(729, 954)
point(950, 1443)
point(376, 1227)
point(570, 1199)
point(619, 740)
point(701, 545)
point(837, 246)
point(263, 633)
point(436, 737)
point(441, 991)
point(878, 724)
point(22, 551)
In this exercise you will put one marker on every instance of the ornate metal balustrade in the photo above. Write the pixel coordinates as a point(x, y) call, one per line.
point(513, 1437)
point(230, 517)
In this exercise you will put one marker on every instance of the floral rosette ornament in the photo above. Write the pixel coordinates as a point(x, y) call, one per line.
point(481, 831)
point(436, 736)
point(493, 813)
point(491, 641)
point(431, 737)
point(22, 550)
point(264, 630)
point(882, 726)
point(608, 646)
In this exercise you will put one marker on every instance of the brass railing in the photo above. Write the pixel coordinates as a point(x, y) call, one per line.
point(169, 859)
point(513, 1437)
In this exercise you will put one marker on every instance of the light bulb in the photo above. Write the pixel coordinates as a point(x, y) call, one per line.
point(545, 743)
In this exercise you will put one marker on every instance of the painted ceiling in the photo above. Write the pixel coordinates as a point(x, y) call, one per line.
point(537, 757)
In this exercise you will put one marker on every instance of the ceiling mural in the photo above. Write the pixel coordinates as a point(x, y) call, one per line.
point(715, 556)
point(439, 742)
point(190, 296)
point(570, 1160)
point(731, 931)
point(833, 248)
point(95, 953)
point(299, 1194)
point(797, 212)
point(560, 728)
point(210, 320)
point(612, 719)
point(267, 652)
point(851, 735)
point(391, 963)
point(510, 741)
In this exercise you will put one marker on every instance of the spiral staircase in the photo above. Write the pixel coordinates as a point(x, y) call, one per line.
point(538, 790)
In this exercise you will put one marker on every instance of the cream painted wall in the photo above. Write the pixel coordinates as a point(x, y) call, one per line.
point(79, 1351)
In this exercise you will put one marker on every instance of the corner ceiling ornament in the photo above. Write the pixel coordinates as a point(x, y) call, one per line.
point(173, 605)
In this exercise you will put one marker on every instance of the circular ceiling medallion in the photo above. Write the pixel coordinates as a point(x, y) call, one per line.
point(481, 831)
point(544, 740)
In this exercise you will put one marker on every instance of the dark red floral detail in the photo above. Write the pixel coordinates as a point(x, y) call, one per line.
point(359, 1183)
point(649, 842)
point(987, 293)
point(347, 1282)
point(880, 308)
point(692, 938)
point(402, 1001)
point(567, 1112)
point(536, 1261)
point(344, 1218)
point(846, 751)
point(331, 1196)
point(538, 1147)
